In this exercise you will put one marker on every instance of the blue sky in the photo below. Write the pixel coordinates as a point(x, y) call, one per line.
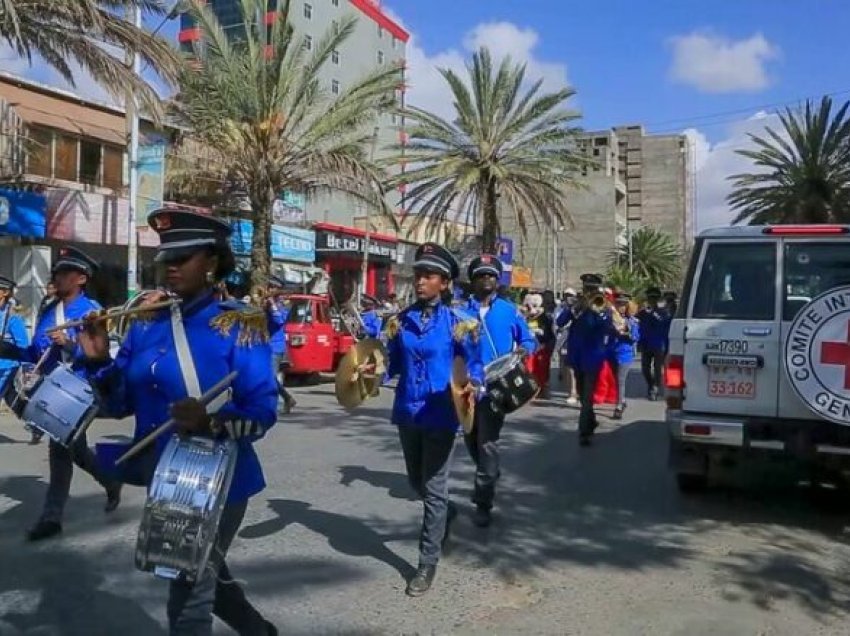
point(712, 69)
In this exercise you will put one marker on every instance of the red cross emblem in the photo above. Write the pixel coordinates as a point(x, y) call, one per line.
point(838, 353)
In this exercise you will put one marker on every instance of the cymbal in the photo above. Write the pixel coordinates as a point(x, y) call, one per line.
point(463, 409)
point(351, 386)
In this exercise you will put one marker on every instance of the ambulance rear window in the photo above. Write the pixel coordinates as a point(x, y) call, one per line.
point(737, 282)
point(810, 270)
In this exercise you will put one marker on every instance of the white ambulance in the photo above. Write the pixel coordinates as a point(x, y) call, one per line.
point(759, 358)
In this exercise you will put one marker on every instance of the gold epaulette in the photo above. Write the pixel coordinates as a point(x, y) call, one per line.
point(392, 327)
point(465, 328)
point(252, 323)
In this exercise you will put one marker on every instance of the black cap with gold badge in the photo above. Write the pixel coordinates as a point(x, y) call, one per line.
point(182, 233)
point(75, 259)
point(431, 257)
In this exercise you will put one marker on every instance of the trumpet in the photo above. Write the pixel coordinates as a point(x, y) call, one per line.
point(132, 307)
point(597, 303)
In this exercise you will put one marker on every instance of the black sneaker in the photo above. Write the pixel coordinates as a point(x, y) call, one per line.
point(113, 497)
point(618, 412)
point(584, 439)
point(653, 395)
point(422, 580)
point(44, 530)
point(482, 517)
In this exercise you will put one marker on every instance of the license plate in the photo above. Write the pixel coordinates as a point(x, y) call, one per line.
point(732, 382)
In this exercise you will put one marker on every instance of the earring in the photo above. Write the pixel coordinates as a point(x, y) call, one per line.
point(210, 278)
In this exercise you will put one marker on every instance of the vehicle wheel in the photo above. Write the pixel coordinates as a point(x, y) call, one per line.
point(692, 483)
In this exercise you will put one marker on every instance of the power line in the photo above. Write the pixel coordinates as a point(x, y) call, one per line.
point(682, 121)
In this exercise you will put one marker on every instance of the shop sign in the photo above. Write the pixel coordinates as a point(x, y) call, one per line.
point(329, 243)
point(287, 243)
point(521, 277)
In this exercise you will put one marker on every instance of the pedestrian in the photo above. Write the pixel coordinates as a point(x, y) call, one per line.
point(49, 296)
point(587, 346)
point(503, 330)
point(654, 322)
point(152, 377)
point(12, 331)
point(622, 349)
point(424, 340)
point(278, 313)
point(542, 327)
point(565, 318)
point(71, 274)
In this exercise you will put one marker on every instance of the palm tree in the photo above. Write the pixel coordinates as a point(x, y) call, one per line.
point(624, 279)
point(256, 99)
point(506, 148)
point(650, 255)
point(802, 171)
point(63, 32)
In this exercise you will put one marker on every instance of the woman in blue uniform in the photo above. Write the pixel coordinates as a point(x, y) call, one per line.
point(424, 339)
point(622, 348)
point(12, 331)
point(170, 358)
point(71, 273)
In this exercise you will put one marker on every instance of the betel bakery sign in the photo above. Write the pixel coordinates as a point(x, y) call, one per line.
point(817, 355)
point(335, 242)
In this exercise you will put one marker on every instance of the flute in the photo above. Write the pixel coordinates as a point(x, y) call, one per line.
point(112, 314)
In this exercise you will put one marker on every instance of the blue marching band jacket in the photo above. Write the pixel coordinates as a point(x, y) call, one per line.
point(146, 378)
point(13, 333)
point(502, 328)
point(421, 353)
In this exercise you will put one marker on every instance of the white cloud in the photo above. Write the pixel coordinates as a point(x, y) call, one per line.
point(714, 163)
point(712, 63)
point(428, 89)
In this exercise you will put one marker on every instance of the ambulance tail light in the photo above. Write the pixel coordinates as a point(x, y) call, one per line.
point(805, 230)
point(674, 381)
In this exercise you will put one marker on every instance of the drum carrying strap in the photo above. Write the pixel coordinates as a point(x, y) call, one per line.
point(187, 363)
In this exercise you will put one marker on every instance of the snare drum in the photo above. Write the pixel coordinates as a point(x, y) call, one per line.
point(184, 506)
point(508, 383)
point(60, 404)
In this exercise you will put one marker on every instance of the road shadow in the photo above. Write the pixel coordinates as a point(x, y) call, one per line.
point(395, 484)
point(345, 535)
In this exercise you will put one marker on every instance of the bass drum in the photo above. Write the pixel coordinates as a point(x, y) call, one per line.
point(184, 506)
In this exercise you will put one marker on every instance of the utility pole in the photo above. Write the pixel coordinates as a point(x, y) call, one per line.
point(132, 119)
point(364, 268)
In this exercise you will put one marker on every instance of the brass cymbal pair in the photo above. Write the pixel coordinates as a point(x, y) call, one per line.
point(464, 406)
point(352, 384)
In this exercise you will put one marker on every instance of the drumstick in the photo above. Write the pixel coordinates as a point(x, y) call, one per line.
point(205, 399)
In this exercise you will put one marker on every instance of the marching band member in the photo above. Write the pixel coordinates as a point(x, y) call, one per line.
point(12, 331)
point(588, 339)
point(540, 324)
point(503, 329)
point(563, 321)
point(71, 273)
point(622, 350)
point(169, 358)
point(278, 313)
point(370, 318)
point(654, 331)
point(423, 342)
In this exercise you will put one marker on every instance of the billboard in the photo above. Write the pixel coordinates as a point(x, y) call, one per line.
point(22, 213)
point(287, 243)
point(505, 253)
point(150, 179)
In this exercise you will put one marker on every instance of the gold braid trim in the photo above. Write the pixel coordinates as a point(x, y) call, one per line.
point(252, 323)
point(392, 327)
point(464, 328)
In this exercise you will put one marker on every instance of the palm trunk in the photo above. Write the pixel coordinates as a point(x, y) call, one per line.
point(261, 216)
point(490, 218)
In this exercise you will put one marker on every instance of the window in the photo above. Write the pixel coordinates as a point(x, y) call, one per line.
point(810, 270)
point(380, 57)
point(308, 10)
point(380, 31)
point(113, 167)
point(308, 42)
point(66, 158)
point(40, 152)
point(335, 3)
point(89, 162)
point(335, 57)
point(737, 282)
point(335, 87)
point(395, 42)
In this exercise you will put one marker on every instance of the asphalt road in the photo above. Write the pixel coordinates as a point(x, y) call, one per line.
point(585, 541)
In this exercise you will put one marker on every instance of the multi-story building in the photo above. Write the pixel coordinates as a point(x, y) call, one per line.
point(377, 41)
point(632, 179)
